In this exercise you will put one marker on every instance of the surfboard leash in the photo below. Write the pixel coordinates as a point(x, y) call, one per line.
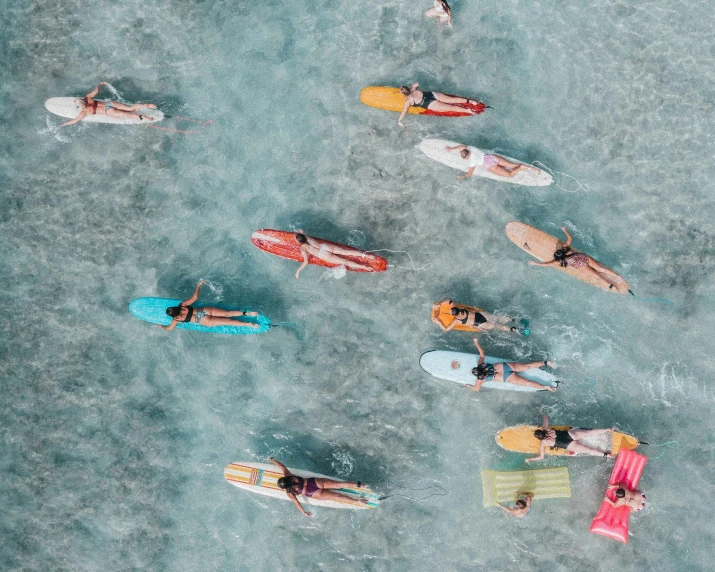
point(666, 444)
point(412, 263)
point(438, 494)
point(299, 329)
point(203, 124)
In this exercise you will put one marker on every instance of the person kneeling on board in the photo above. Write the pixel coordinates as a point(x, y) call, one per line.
point(522, 504)
point(506, 372)
point(325, 251)
point(635, 500)
point(482, 320)
point(570, 440)
point(208, 316)
point(111, 108)
point(314, 487)
point(495, 164)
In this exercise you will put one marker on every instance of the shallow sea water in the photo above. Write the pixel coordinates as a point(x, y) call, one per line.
point(115, 433)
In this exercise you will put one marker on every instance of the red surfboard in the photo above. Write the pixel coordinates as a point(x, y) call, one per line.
point(284, 244)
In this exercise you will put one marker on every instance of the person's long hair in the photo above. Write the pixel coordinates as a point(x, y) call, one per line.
point(446, 7)
point(541, 434)
point(562, 255)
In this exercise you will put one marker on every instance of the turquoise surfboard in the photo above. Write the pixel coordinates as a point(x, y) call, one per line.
point(154, 310)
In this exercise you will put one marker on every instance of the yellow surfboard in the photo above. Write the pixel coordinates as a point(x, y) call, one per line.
point(520, 439)
point(390, 99)
point(442, 313)
point(542, 246)
point(502, 487)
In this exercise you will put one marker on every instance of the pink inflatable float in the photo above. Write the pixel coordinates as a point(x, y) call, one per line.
point(613, 521)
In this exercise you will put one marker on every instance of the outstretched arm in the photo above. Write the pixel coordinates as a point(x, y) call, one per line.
point(542, 452)
point(551, 263)
point(95, 91)
point(299, 506)
point(404, 111)
point(568, 236)
point(477, 385)
point(195, 295)
point(170, 326)
point(481, 351)
point(455, 148)
point(82, 114)
point(467, 174)
point(281, 466)
point(305, 262)
point(506, 509)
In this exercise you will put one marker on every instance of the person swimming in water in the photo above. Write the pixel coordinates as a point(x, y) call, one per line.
point(522, 504)
point(565, 256)
point(482, 320)
point(90, 106)
point(635, 500)
point(208, 316)
point(435, 101)
point(329, 252)
point(569, 440)
point(506, 372)
point(315, 487)
point(441, 12)
point(495, 164)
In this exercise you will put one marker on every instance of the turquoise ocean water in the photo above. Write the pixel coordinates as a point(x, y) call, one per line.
point(115, 433)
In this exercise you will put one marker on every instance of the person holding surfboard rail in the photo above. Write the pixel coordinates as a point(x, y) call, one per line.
point(569, 439)
point(112, 108)
point(566, 256)
point(314, 487)
point(208, 316)
point(495, 164)
point(329, 252)
point(507, 372)
point(435, 101)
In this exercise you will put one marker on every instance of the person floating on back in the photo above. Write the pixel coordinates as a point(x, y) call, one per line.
point(112, 108)
point(495, 164)
point(435, 101)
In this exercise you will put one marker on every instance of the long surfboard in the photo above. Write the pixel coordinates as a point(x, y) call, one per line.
point(262, 479)
point(457, 367)
point(390, 99)
point(70, 107)
point(520, 439)
point(284, 244)
point(436, 150)
point(154, 310)
point(542, 246)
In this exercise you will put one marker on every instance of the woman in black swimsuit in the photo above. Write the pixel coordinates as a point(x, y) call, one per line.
point(482, 320)
point(568, 440)
point(111, 108)
point(206, 315)
point(433, 100)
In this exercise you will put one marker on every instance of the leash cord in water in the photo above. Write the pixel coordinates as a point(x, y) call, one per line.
point(666, 444)
point(442, 494)
point(203, 124)
point(299, 329)
point(427, 267)
point(581, 185)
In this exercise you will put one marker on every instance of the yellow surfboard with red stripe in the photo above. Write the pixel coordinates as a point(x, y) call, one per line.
point(390, 99)
point(520, 439)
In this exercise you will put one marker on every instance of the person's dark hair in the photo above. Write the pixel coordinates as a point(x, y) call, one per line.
point(541, 434)
point(446, 7)
point(287, 483)
point(173, 311)
point(481, 371)
point(562, 254)
point(521, 503)
point(620, 493)
point(300, 237)
point(465, 153)
point(455, 311)
point(404, 90)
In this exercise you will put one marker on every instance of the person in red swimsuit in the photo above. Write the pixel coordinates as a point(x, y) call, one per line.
point(111, 108)
point(314, 487)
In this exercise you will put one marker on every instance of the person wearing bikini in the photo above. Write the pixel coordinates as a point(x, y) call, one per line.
point(435, 101)
point(91, 106)
point(495, 164)
point(326, 251)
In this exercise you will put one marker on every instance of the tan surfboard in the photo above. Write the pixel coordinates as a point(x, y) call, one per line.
point(542, 246)
point(520, 439)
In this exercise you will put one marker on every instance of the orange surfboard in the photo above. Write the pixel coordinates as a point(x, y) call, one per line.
point(520, 439)
point(441, 312)
point(284, 244)
point(390, 99)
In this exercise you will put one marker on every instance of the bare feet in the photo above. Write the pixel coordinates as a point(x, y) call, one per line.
point(148, 117)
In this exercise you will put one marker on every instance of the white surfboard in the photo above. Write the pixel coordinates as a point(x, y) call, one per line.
point(262, 479)
point(457, 367)
point(435, 150)
point(70, 107)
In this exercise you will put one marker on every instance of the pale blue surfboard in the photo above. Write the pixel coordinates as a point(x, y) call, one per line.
point(154, 310)
point(457, 367)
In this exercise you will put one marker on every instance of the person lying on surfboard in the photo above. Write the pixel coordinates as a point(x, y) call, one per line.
point(635, 500)
point(505, 372)
point(314, 487)
point(522, 504)
point(325, 251)
point(441, 12)
point(111, 108)
point(495, 164)
point(435, 101)
point(570, 440)
point(566, 256)
point(208, 316)
point(482, 320)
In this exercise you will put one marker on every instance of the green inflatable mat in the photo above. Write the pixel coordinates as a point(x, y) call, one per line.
point(501, 487)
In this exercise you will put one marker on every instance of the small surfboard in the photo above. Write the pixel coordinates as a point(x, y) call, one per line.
point(457, 367)
point(520, 439)
point(503, 486)
point(390, 99)
point(442, 313)
point(154, 310)
point(436, 150)
point(284, 244)
point(70, 107)
point(542, 246)
point(262, 479)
